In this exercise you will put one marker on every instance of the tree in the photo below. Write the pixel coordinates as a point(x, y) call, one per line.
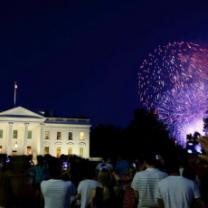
point(146, 133)
point(204, 143)
point(206, 123)
point(106, 141)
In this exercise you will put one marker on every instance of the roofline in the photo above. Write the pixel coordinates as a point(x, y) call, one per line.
point(38, 114)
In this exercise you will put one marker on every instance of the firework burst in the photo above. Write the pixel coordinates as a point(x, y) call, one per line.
point(173, 80)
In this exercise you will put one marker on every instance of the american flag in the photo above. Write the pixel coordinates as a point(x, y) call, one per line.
point(15, 85)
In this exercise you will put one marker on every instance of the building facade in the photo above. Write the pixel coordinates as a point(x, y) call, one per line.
point(25, 132)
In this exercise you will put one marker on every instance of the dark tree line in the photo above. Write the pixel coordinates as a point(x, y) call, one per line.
point(144, 134)
point(206, 123)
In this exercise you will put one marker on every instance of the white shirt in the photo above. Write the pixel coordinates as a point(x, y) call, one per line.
point(145, 183)
point(57, 193)
point(177, 192)
point(85, 189)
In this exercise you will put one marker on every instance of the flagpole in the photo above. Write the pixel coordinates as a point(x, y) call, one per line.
point(15, 93)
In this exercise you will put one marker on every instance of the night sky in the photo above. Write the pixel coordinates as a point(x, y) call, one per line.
point(80, 58)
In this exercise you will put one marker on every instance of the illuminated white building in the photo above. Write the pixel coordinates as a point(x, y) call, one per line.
point(25, 132)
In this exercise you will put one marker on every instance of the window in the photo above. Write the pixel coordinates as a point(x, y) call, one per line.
point(58, 135)
point(47, 135)
point(81, 151)
point(70, 151)
point(29, 150)
point(81, 135)
point(29, 135)
point(70, 136)
point(46, 150)
point(1, 133)
point(58, 151)
point(15, 134)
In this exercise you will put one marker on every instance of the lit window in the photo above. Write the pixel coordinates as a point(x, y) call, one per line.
point(58, 135)
point(16, 146)
point(47, 135)
point(29, 150)
point(29, 135)
point(1, 133)
point(46, 150)
point(81, 135)
point(58, 151)
point(70, 151)
point(81, 151)
point(15, 134)
point(70, 136)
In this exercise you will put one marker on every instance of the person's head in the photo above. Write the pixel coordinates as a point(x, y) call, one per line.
point(172, 168)
point(89, 171)
point(150, 160)
point(103, 177)
point(188, 172)
point(54, 168)
point(40, 160)
point(20, 163)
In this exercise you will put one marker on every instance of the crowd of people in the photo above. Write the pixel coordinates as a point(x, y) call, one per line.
point(149, 181)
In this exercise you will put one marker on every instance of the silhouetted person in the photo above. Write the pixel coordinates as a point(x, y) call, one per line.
point(145, 182)
point(87, 188)
point(56, 192)
point(176, 191)
point(39, 171)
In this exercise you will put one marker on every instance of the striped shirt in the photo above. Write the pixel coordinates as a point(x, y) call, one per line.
point(145, 183)
point(57, 193)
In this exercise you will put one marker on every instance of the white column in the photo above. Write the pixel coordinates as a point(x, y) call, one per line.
point(24, 150)
point(87, 144)
point(9, 138)
point(40, 141)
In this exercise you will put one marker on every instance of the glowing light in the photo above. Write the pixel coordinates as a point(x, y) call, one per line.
point(16, 145)
point(195, 126)
point(198, 148)
point(173, 80)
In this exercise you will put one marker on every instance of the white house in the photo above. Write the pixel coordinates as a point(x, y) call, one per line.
point(25, 132)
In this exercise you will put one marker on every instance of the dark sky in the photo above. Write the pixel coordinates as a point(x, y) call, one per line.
point(82, 57)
